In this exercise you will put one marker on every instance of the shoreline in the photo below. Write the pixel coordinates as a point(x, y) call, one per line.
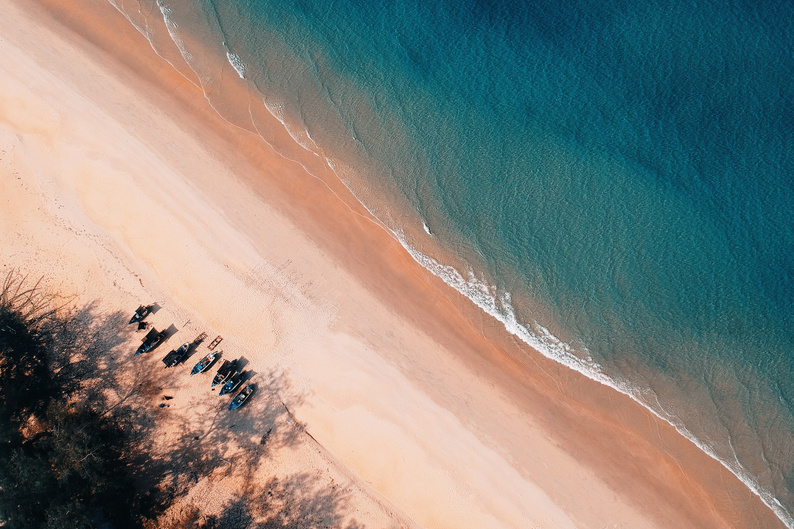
point(577, 413)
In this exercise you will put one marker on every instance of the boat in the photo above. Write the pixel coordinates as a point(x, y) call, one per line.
point(140, 313)
point(241, 397)
point(177, 355)
point(232, 384)
point(204, 364)
point(152, 339)
point(224, 372)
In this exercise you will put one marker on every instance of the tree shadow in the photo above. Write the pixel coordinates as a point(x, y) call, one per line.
point(72, 434)
point(213, 440)
point(299, 501)
point(236, 514)
point(169, 451)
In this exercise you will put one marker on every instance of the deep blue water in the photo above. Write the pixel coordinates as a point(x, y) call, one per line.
point(620, 174)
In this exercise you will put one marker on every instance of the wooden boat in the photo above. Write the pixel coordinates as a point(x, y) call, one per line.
point(177, 355)
point(150, 341)
point(204, 364)
point(224, 372)
point(140, 313)
point(241, 397)
point(232, 384)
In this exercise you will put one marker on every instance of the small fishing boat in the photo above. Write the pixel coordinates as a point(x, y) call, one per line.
point(224, 372)
point(241, 397)
point(140, 313)
point(177, 355)
point(232, 384)
point(150, 341)
point(204, 364)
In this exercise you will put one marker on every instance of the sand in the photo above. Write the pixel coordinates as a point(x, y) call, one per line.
point(394, 395)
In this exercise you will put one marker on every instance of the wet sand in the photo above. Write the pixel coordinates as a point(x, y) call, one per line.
point(122, 185)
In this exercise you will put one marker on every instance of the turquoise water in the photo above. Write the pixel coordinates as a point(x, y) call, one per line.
point(612, 180)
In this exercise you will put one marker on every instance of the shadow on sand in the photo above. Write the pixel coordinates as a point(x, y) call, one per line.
point(296, 502)
point(171, 451)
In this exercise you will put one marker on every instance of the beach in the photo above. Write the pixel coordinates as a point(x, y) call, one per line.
point(121, 185)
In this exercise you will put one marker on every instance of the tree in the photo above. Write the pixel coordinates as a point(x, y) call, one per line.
point(62, 462)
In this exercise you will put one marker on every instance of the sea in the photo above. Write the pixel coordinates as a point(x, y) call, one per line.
point(612, 180)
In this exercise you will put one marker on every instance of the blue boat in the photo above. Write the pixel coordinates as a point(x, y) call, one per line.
point(177, 355)
point(150, 341)
point(204, 364)
point(232, 384)
point(241, 397)
point(224, 372)
point(141, 312)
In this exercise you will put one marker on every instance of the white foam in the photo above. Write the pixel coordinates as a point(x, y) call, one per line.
point(237, 63)
point(172, 28)
point(301, 137)
point(542, 340)
point(146, 30)
point(143, 30)
point(484, 296)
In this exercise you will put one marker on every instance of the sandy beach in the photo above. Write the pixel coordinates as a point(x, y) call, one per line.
point(392, 393)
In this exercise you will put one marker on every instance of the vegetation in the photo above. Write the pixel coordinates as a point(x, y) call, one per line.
point(75, 444)
point(62, 457)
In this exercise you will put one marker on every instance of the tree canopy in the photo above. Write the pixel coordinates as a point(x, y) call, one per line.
point(62, 458)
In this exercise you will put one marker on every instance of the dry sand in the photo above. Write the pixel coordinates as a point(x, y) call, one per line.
point(407, 406)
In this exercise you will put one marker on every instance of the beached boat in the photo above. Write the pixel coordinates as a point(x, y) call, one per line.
point(232, 384)
point(150, 341)
point(241, 397)
point(203, 364)
point(140, 313)
point(177, 355)
point(224, 372)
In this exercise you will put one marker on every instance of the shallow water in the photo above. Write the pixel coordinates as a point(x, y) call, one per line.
point(612, 180)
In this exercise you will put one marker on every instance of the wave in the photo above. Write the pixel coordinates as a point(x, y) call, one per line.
point(237, 63)
point(542, 340)
point(474, 286)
